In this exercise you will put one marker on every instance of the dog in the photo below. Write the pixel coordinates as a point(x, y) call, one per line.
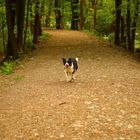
point(70, 67)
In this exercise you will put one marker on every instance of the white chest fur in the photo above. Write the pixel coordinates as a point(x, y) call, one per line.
point(69, 69)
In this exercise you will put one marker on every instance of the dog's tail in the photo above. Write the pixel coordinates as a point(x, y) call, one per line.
point(77, 59)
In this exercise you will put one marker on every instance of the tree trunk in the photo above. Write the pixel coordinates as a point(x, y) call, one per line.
point(123, 36)
point(12, 49)
point(3, 32)
point(31, 16)
point(20, 7)
point(134, 24)
point(75, 14)
point(118, 19)
point(48, 15)
point(15, 10)
point(26, 24)
point(81, 15)
point(128, 24)
point(101, 3)
point(58, 16)
point(36, 22)
point(94, 4)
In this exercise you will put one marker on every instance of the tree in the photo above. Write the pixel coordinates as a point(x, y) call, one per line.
point(48, 14)
point(26, 24)
point(37, 22)
point(75, 14)
point(123, 34)
point(134, 23)
point(58, 14)
point(81, 15)
point(15, 10)
point(20, 6)
point(94, 3)
point(128, 23)
point(3, 24)
point(118, 20)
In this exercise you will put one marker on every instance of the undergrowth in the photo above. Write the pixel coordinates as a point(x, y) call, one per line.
point(8, 67)
point(44, 36)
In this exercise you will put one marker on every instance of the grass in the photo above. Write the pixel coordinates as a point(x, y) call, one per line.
point(8, 67)
point(44, 36)
point(18, 78)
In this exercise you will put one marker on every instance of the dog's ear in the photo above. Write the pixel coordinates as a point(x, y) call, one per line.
point(64, 60)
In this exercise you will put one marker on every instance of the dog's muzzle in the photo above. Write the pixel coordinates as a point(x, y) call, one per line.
point(66, 65)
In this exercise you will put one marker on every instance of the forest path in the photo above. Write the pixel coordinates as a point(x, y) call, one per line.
point(103, 103)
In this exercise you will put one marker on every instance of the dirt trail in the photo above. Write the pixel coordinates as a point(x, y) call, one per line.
point(103, 103)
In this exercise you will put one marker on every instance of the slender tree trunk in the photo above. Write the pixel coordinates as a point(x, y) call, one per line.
point(36, 22)
point(48, 15)
point(101, 3)
point(40, 17)
point(58, 14)
point(128, 24)
point(134, 24)
point(31, 16)
point(95, 10)
point(123, 37)
point(81, 15)
point(89, 6)
point(85, 10)
point(118, 19)
point(3, 36)
point(20, 6)
point(75, 14)
point(26, 24)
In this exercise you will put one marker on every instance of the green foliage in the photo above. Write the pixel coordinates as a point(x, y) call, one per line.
point(44, 36)
point(7, 68)
point(57, 9)
point(89, 17)
point(104, 21)
point(89, 33)
point(30, 45)
point(111, 37)
point(137, 41)
point(18, 78)
point(3, 27)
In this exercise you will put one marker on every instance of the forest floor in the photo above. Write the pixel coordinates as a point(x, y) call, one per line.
point(103, 103)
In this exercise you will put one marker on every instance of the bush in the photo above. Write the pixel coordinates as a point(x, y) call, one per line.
point(30, 45)
point(7, 68)
point(103, 22)
point(44, 36)
point(111, 37)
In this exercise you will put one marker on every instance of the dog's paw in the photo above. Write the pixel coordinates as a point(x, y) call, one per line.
point(73, 77)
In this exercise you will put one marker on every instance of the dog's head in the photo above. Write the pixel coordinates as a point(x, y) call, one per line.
point(67, 62)
point(70, 62)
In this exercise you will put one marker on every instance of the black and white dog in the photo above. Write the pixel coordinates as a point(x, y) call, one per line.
point(70, 67)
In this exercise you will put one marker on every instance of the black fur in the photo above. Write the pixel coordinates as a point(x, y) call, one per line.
point(70, 61)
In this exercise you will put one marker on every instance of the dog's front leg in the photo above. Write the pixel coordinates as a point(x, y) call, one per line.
point(73, 76)
point(69, 77)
